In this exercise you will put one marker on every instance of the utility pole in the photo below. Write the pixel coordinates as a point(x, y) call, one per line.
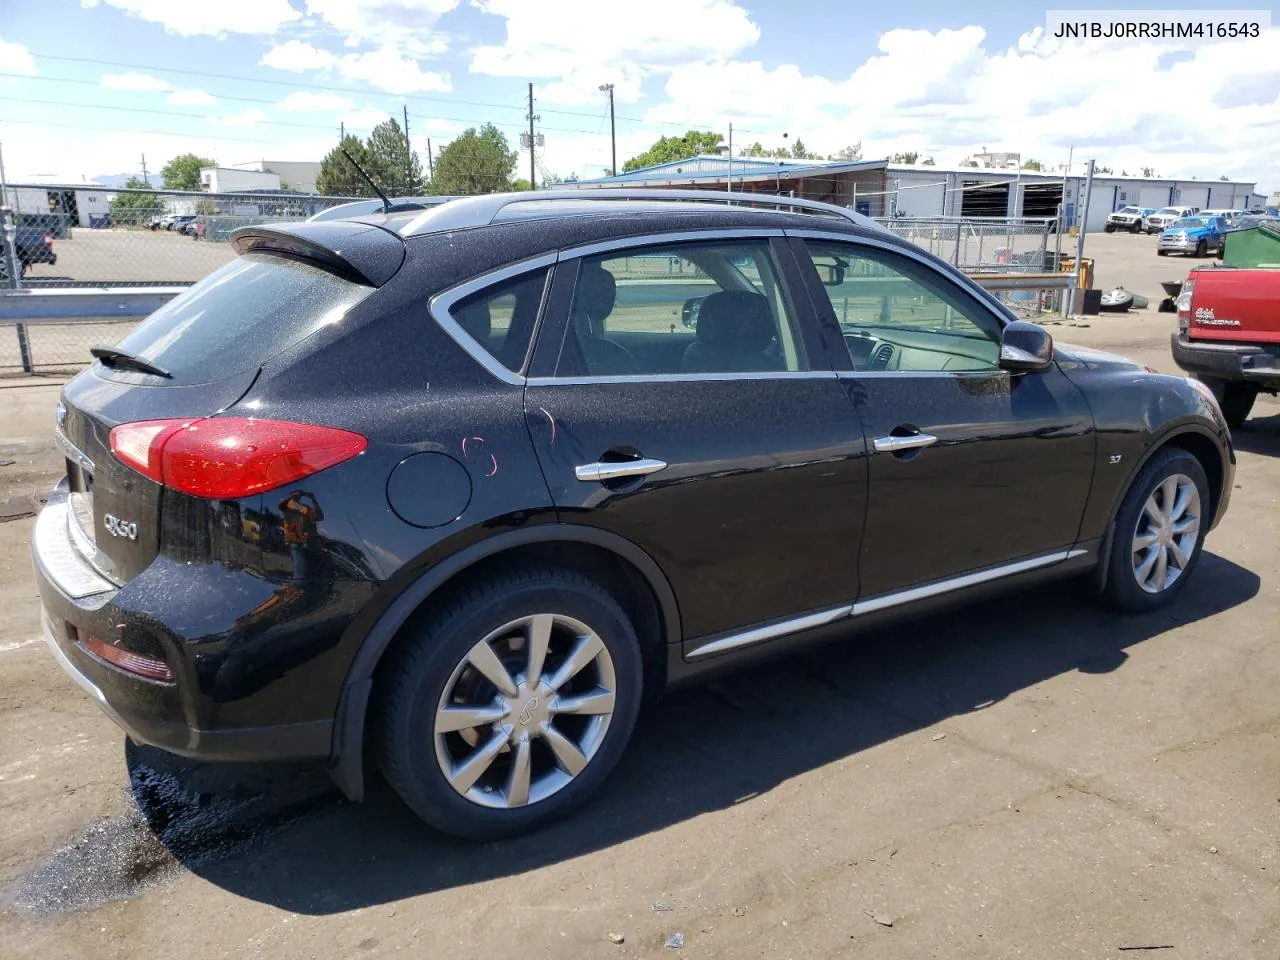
point(342, 131)
point(145, 179)
point(613, 132)
point(408, 153)
point(1070, 153)
point(533, 183)
point(728, 178)
point(431, 165)
point(1083, 207)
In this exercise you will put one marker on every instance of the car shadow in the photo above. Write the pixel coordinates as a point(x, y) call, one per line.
point(1259, 435)
point(701, 750)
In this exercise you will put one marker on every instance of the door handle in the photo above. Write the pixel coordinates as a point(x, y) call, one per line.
point(617, 470)
point(914, 441)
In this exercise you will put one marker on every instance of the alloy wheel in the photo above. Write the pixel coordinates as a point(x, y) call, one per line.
point(1164, 539)
point(525, 711)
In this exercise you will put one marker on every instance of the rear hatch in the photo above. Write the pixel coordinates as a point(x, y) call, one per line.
point(193, 358)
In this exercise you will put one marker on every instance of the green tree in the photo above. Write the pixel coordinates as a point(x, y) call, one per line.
point(135, 209)
point(392, 162)
point(851, 153)
point(910, 157)
point(1033, 164)
point(183, 171)
point(1096, 169)
point(1148, 171)
point(667, 149)
point(928, 162)
point(337, 176)
point(476, 161)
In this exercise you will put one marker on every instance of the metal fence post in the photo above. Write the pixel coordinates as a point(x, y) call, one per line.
point(955, 262)
point(13, 270)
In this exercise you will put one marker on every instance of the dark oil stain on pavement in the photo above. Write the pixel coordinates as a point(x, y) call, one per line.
point(171, 821)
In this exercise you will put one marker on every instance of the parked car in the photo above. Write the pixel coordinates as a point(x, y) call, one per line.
point(32, 245)
point(452, 487)
point(1193, 235)
point(1229, 333)
point(1165, 216)
point(1228, 215)
point(361, 208)
point(1128, 218)
point(178, 222)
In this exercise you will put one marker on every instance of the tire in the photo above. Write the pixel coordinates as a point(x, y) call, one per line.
point(436, 672)
point(1237, 401)
point(1162, 253)
point(1202, 249)
point(1109, 229)
point(1136, 228)
point(1172, 469)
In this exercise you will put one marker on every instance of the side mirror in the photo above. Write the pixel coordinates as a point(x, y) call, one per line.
point(831, 274)
point(1025, 347)
point(690, 311)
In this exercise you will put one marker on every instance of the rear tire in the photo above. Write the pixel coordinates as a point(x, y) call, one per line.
point(1237, 402)
point(1202, 249)
point(1159, 532)
point(542, 747)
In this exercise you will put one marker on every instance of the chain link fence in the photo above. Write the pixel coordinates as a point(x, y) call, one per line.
point(126, 240)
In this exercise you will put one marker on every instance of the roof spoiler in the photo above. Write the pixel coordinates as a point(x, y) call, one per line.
point(361, 252)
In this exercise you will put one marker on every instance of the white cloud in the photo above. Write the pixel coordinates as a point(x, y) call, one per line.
point(306, 101)
point(191, 98)
point(407, 25)
point(583, 43)
point(16, 59)
point(364, 119)
point(190, 18)
point(135, 82)
point(297, 57)
point(385, 68)
point(245, 118)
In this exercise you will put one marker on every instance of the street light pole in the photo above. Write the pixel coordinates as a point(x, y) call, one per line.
point(613, 131)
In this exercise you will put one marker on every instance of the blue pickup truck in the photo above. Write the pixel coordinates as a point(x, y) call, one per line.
point(1193, 235)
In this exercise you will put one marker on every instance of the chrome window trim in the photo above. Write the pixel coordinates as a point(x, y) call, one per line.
point(662, 239)
point(972, 287)
point(441, 305)
point(859, 608)
point(681, 377)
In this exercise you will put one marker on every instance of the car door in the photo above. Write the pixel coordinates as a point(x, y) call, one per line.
point(676, 401)
point(972, 468)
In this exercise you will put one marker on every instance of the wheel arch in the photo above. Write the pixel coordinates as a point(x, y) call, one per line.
point(623, 568)
point(1196, 439)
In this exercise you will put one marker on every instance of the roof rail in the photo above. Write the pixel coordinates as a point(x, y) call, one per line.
point(483, 210)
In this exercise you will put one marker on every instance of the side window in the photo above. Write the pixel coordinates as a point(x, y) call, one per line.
point(689, 308)
point(897, 314)
point(500, 319)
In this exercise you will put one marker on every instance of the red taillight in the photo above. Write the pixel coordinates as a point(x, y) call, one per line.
point(225, 458)
point(126, 660)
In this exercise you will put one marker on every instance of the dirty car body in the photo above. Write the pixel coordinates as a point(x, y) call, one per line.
point(305, 499)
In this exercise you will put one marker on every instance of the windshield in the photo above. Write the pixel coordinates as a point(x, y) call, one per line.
point(1189, 222)
point(1169, 212)
point(1128, 210)
point(241, 316)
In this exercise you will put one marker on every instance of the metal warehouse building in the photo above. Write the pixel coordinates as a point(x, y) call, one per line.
point(879, 188)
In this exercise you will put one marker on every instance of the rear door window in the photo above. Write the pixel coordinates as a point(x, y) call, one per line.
point(241, 316)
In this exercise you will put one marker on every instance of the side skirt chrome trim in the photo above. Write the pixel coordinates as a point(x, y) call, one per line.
point(823, 617)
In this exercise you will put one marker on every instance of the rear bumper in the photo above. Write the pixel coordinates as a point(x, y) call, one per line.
point(1246, 362)
point(77, 599)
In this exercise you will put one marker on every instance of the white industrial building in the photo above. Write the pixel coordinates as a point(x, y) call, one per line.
point(879, 188)
point(74, 204)
point(233, 180)
point(296, 175)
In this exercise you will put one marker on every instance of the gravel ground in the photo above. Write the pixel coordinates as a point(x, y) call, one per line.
point(1030, 777)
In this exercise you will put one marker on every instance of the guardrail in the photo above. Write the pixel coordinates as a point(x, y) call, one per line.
point(54, 327)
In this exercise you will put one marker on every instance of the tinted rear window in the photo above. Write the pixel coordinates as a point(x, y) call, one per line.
point(241, 316)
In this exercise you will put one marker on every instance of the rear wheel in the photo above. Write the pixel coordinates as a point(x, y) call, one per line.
point(512, 704)
point(1159, 532)
point(1201, 249)
point(1237, 402)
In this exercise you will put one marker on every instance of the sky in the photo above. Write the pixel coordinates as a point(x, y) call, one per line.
point(87, 87)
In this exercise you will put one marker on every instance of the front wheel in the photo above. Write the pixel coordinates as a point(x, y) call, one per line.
point(1159, 532)
point(1162, 253)
point(511, 705)
point(1136, 228)
point(1201, 249)
point(1109, 228)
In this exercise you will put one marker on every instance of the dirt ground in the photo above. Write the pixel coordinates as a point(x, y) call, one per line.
point(1031, 777)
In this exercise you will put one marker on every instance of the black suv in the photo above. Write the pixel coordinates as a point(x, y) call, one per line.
point(450, 493)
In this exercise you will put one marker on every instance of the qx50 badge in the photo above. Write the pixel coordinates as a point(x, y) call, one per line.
point(120, 528)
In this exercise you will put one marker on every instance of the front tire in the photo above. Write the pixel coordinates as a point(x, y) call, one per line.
point(1109, 228)
point(1136, 228)
point(1201, 249)
point(511, 705)
point(1159, 532)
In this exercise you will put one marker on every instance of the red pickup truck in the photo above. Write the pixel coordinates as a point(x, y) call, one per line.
point(1229, 334)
